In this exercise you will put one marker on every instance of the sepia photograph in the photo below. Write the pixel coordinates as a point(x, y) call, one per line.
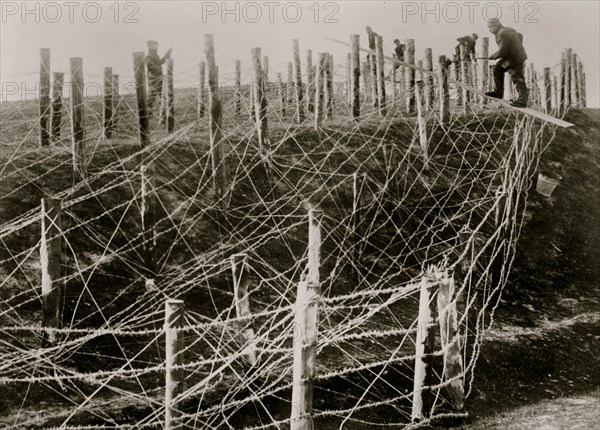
point(300, 215)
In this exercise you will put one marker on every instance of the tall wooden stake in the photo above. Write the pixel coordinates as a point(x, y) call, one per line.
point(116, 98)
point(563, 81)
point(410, 75)
point(237, 92)
point(50, 261)
point(485, 76)
point(306, 322)
point(77, 115)
point(464, 71)
point(281, 95)
point(355, 79)
point(547, 90)
point(57, 103)
point(290, 82)
point(330, 90)
point(458, 79)
point(201, 96)
point(422, 123)
point(241, 282)
point(139, 66)
point(174, 375)
point(322, 58)
point(216, 113)
point(260, 100)
point(44, 96)
point(429, 82)
point(380, 75)
point(170, 93)
point(108, 103)
point(310, 84)
point(444, 93)
point(298, 81)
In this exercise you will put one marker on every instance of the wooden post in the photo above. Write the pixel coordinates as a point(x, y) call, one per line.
point(108, 103)
point(474, 78)
point(139, 66)
point(573, 72)
point(310, 84)
point(44, 96)
point(393, 83)
point(148, 213)
point(237, 92)
point(298, 72)
point(580, 84)
point(116, 98)
point(330, 92)
point(241, 282)
point(349, 76)
point(366, 73)
point(555, 97)
point(319, 89)
point(507, 87)
point(410, 75)
point(464, 71)
point(547, 90)
point(50, 261)
point(563, 81)
point(201, 104)
point(430, 94)
point(424, 345)
point(306, 324)
point(281, 95)
point(265, 72)
point(485, 76)
point(77, 115)
point(174, 316)
point(355, 82)
point(216, 113)
point(380, 75)
point(170, 99)
point(422, 123)
point(290, 82)
point(373, 75)
point(447, 317)
point(260, 100)
point(458, 80)
point(444, 93)
point(568, 57)
point(57, 102)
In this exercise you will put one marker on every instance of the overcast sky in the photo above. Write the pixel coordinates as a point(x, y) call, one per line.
point(107, 33)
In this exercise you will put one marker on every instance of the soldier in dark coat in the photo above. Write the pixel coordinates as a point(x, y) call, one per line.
point(511, 56)
point(469, 43)
point(155, 75)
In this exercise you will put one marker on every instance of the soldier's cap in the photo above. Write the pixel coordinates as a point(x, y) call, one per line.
point(396, 41)
point(475, 35)
point(151, 42)
point(492, 22)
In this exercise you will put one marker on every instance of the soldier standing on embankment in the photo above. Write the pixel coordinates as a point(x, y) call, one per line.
point(155, 75)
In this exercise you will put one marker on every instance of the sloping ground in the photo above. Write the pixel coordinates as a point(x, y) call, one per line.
point(540, 365)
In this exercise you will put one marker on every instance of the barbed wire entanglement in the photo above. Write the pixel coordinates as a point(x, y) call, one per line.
point(416, 239)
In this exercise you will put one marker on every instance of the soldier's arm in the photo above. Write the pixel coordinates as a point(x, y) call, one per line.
point(502, 48)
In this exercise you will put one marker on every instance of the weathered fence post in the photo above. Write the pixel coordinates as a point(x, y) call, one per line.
point(298, 81)
point(563, 81)
point(555, 97)
point(57, 103)
point(241, 281)
point(265, 72)
point(170, 99)
point(281, 95)
point(485, 76)
point(201, 104)
point(330, 92)
point(422, 123)
point(366, 74)
point(424, 345)
point(44, 96)
point(444, 93)
point(108, 103)
point(290, 82)
point(573, 73)
point(568, 57)
point(410, 72)
point(116, 98)
point(318, 107)
point(260, 100)
point(237, 92)
point(50, 261)
point(306, 324)
point(547, 90)
point(310, 85)
point(355, 78)
point(394, 89)
point(581, 84)
point(447, 317)
point(216, 113)
point(458, 80)
point(380, 75)
point(139, 66)
point(174, 315)
point(430, 94)
point(464, 71)
point(77, 115)
point(349, 76)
